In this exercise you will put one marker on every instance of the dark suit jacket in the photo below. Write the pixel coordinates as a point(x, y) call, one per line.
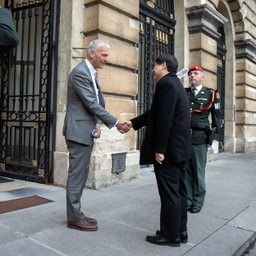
point(167, 123)
point(83, 109)
point(8, 35)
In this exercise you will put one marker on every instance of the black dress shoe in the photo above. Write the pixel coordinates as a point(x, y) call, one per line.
point(160, 240)
point(183, 236)
point(189, 207)
point(195, 209)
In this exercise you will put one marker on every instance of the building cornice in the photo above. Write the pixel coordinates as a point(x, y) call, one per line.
point(205, 19)
point(246, 48)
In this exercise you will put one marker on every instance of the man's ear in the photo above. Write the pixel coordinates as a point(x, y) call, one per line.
point(91, 53)
point(164, 66)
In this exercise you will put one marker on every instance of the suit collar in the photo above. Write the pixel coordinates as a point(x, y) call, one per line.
point(93, 71)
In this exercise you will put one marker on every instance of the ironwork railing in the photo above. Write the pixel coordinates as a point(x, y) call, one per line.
point(221, 74)
point(28, 88)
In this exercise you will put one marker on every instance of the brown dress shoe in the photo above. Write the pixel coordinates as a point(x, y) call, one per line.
point(82, 225)
point(89, 219)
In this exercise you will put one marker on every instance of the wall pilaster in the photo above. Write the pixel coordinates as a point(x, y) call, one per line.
point(245, 94)
point(115, 22)
point(203, 33)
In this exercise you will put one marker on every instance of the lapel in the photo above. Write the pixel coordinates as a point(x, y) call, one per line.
point(190, 95)
point(100, 95)
point(199, 94)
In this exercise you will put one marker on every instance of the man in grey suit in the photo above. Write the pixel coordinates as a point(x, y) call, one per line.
point(85, 107)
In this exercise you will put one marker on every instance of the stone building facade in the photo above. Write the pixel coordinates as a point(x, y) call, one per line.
point(219, 35)
point(196, 43)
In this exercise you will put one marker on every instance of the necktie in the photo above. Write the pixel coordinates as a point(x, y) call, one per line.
point(194, 90)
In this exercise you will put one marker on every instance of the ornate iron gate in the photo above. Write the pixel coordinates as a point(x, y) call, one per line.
point(221, 73)
point(156, 37)
point(28, 92)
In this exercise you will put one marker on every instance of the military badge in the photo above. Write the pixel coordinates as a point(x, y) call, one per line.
point(217, 95)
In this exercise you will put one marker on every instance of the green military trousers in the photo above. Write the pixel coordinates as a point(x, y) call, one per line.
point(195, 175)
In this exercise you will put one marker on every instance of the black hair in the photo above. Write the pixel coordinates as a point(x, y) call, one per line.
point(170, 60)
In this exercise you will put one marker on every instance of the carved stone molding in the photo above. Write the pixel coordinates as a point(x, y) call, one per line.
point(205, 19)
point(246, 48)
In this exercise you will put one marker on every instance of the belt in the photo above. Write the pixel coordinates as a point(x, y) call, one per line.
point(197, 131)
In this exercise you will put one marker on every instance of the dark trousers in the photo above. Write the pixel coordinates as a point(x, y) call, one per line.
point(79, 165)
point(171, 187)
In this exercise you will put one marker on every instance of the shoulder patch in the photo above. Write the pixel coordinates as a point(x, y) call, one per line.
point(217, 95)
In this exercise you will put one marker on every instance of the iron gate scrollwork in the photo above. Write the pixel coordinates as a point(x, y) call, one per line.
point(156, 37)
point(28, 91)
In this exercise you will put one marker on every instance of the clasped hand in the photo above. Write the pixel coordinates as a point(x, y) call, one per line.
point(124, 126)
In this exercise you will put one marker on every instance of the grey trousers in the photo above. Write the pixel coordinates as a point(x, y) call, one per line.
point(79, 165)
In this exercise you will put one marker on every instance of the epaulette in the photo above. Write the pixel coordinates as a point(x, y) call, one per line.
point(214, 92)
point(212, 89)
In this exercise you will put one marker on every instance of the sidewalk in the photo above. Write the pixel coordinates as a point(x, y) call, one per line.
point(128, 212)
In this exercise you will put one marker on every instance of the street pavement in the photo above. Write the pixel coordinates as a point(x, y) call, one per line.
point(128, 212)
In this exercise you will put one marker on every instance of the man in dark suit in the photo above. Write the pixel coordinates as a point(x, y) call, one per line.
point(85, 108)
point(203, 101)
point(8, 35)
point(167, 146)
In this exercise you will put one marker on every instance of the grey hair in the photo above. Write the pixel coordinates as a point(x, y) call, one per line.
point(95, 45)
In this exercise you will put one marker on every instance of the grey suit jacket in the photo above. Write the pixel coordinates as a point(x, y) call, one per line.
point(83, 109)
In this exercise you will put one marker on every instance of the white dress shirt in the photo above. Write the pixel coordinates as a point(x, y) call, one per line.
point(93, 75)
point(197, 89)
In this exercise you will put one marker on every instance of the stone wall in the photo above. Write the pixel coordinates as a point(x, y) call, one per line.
point(244, 15)
point(196, 34)
point(238, 19)
point(116, 23)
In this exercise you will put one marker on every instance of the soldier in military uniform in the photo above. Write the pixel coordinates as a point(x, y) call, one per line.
point(203, 101)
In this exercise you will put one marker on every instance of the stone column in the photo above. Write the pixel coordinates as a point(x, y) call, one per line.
point(245, 95)
point(115, 158)
point(203, 25)
point(203, 34)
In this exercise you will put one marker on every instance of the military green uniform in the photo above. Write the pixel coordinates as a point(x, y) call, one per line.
point(205, 102)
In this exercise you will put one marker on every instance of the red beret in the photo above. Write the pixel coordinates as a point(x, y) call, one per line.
point(195, 68)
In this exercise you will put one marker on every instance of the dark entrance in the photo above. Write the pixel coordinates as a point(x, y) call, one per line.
point(156, 37)
point(221, 72)
point(28, 92)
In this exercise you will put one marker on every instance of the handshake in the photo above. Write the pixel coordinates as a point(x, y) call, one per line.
point(123, 126)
